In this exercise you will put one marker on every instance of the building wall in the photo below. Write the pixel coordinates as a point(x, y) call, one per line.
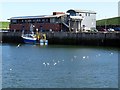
point(43, 26)
point(119, 8)
point(89, 21)
point(56, 23)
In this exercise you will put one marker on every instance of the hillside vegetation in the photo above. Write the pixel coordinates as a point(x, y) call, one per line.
point(4, 25)
point(109, 21)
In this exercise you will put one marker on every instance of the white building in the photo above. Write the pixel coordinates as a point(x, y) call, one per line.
point(81, 20)
point(119, 8)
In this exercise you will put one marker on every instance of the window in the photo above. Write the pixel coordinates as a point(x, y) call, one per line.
point(43, 20)
point(38, 20)
point(77, 14)
point(25, 21)
point(52, 20)
point(80, 15)
point(13, 21)
point(22, 21)
point(34, 20)
point(46, 20)
point(29, 21)
point(88, 14)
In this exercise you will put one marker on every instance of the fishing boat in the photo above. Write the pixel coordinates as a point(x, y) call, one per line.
point(29, 38)
point(34, 38)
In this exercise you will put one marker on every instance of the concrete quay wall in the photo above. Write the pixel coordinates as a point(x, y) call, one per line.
point(88, 38)
point(67, 38)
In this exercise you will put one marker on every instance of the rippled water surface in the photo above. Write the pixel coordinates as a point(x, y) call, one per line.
point(59, 66)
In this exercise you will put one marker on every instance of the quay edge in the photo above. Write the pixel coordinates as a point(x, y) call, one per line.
point(67, 38)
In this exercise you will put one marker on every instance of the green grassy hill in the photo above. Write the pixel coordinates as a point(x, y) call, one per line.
point(4, 25)
point(109, 21)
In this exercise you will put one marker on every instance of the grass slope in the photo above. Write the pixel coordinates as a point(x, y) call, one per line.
point(4, 25)
point(109, 21)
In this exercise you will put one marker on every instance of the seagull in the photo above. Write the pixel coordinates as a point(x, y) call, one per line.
point(75, 56)
point(18, 45)
point(83, 57)
point(55, 64)
point(111, 53)
point(48, 64)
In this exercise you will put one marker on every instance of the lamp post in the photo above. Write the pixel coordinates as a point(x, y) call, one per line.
point(105, 23)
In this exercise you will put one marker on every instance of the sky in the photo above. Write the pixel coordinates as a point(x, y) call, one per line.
point(103, 9)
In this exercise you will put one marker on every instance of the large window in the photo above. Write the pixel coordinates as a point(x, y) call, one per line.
point(38, 20)
point(87, 14)
point(52, 20)
point(72, 14)
point(43, 20)
point(23, 21)
point(14, 21)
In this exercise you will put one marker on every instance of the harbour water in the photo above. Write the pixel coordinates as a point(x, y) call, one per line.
point(59, 66)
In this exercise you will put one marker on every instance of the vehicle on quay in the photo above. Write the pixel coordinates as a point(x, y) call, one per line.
point(117, 28)
point(110, 30)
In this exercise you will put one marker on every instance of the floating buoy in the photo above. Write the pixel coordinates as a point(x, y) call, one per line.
point(46, 42)
point(41, 42)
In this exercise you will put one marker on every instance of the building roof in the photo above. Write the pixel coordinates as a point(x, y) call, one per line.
point(82, 11)
point(33, 17)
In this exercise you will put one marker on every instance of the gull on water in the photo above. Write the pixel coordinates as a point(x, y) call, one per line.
point(44, 63)
point(18, 45)
point(83, 57)
point(111, 53)
point(75, 56)
point(55, 64)
point(87, 57)
point(99, 55)
point(58, 61)
point(48, 64)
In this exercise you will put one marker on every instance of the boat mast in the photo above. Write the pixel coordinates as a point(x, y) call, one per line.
point(31, 28)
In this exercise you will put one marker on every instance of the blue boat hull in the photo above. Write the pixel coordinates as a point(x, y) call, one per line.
point(29, 41)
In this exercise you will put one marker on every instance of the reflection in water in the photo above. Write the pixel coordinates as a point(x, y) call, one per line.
point(31, 66)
